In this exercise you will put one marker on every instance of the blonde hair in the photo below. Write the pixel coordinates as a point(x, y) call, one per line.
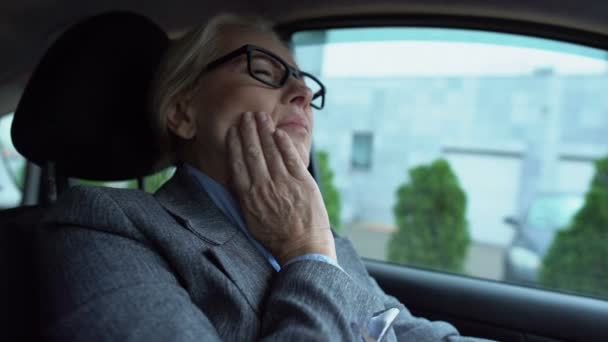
point(179, 71)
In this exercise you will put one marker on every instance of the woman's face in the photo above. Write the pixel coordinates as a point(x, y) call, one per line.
point(228, 91)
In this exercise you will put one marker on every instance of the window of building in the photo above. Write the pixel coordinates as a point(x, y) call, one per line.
point(362, 151)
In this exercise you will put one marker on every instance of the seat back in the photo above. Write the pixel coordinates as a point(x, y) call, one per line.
point(83, 114)
point(18, 292)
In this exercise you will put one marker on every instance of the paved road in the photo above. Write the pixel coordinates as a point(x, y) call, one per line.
point(483, 260)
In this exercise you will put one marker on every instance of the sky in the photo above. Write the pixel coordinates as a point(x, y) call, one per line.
point(427, 58)
point(403, 51)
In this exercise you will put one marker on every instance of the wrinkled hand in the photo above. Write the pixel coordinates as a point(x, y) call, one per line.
point(280, 200)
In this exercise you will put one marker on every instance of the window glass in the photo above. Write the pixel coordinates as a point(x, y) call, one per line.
point(553, 211)
point(489, 151)
point(123, 184)
point(12, 167)
point(361, 158)
point(151, 183)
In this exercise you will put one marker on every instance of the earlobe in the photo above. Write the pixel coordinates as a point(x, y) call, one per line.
point(181, 120)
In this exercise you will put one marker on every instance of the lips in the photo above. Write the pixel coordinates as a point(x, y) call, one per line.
point(293, 121)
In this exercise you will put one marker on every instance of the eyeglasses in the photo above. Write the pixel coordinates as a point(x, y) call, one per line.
point(273, 71)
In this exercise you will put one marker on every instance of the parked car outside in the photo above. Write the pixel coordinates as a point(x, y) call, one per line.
point(535, 232)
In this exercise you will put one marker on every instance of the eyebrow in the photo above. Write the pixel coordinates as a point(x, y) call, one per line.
point(238, 60)
point(269, 59)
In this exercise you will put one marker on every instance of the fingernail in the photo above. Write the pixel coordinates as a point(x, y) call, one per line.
point(247, 116)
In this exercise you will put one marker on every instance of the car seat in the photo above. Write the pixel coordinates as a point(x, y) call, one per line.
point(83, 114)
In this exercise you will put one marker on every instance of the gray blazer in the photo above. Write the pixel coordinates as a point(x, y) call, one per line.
point(120, 265)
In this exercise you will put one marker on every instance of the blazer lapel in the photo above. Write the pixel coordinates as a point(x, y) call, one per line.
point(246, 267)
point(184, 198)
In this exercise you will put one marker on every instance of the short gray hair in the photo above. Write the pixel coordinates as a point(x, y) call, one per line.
point(184, 61)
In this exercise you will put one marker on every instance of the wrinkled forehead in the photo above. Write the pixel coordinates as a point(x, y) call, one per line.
point(233, 39)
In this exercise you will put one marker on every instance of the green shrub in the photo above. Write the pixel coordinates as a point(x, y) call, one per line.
point(431, 217)
point(578, 258)
point(153, 182)
point(331, 196)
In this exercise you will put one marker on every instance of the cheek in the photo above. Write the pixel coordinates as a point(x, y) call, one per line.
point(311, 116)
point(231, 101)
point(221, 107)
point(246, 95)
point(212, 127)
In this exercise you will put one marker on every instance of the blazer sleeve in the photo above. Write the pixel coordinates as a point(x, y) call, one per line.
point(407, 327)
point(311, 299)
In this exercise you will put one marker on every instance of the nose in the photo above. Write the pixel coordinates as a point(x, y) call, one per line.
point(296, 92)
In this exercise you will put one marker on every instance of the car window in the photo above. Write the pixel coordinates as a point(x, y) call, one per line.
point(151, 183)
point(12, 167)
point(553, 211)
point(443, 145)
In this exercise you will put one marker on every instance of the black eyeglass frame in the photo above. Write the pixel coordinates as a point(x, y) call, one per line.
point(290, 70)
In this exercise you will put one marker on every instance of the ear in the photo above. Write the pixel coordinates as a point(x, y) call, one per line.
point(181, 120)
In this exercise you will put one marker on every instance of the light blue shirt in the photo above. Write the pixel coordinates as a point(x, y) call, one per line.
point(224, 200)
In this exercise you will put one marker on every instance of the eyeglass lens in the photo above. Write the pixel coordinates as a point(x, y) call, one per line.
point(273, 72)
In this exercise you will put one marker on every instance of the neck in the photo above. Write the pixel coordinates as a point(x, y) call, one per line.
point(218, 174)
point(213, 166)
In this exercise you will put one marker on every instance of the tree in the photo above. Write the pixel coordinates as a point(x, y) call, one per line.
point(155, 181)
point(578, 257)
point(331, 196)
point(430, 215)
point(151, 183)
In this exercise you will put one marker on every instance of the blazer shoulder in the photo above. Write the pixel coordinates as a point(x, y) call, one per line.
point(99, 207)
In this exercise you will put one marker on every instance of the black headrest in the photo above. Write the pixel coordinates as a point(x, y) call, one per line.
point(85, 105)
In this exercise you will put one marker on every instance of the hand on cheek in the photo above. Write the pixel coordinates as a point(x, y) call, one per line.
point(280, 200)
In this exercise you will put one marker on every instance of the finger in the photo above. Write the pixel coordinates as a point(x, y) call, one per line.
point(291, 157)
point(252, 149)
point(238, 170)
point(274, 160)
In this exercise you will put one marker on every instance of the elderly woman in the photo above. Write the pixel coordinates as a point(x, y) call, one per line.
point(237, 245)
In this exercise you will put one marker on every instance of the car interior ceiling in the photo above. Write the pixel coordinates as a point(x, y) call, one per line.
point(65, 151)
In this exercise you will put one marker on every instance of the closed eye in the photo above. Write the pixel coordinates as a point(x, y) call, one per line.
point(266, 69)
